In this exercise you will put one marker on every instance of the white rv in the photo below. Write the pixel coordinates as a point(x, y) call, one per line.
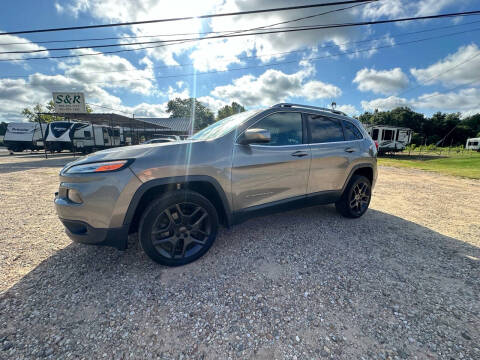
point(88, 137)
point(473, 144)
point(390, 138)
point(59, 135)
point(24, 136)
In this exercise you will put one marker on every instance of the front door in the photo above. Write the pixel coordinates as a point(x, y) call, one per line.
point(274, 171)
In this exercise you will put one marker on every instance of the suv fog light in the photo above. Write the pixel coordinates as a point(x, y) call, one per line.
point(74, 196)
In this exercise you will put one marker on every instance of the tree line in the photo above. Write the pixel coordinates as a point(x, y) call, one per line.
point(442, 129)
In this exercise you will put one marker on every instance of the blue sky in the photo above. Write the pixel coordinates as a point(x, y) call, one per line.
point(361, 68)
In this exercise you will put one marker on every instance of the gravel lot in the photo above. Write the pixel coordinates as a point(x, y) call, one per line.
point(400, 283)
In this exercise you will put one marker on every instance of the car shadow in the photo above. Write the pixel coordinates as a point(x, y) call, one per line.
point(377, 283)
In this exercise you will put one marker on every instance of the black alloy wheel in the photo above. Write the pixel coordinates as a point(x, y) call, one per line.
point(359, 198)
point(181, 230)
point(355, 198)
point(178, 228)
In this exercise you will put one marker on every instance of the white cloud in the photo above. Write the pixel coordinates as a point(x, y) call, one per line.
point(381, 81)
point(459, 68)
point(384, 104)
point(431, 7)
point(110, 71)
point(405, 8)
point(466, 101)
point(212, 103)
point(275, 86)
point(463, 100)
point(127, 11)
point(19, 44)
point(219, 54)
point(348, 109)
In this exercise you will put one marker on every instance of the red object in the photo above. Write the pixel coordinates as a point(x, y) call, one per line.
point(376, 144)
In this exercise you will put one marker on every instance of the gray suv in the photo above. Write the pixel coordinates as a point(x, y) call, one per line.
point(175, 195)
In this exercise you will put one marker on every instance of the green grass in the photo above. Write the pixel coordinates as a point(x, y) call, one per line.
point(467, 165)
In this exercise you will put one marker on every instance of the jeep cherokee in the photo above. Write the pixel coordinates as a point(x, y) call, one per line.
point(176, 194)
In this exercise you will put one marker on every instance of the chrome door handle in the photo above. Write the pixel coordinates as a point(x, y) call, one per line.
point(350, 150)
point(299, 153)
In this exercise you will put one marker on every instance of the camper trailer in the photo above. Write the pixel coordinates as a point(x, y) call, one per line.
point(24, 136)
point(88, 137)
point(59, 135)
point(390, 138)
point(473, 144)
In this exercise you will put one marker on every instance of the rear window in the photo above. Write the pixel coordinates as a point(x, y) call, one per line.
point(351, 131)
point(375, 134)
point(324, 130)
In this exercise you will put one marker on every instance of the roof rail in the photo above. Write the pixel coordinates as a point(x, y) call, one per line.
point(309, 107)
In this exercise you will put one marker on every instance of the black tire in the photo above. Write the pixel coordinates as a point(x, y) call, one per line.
point(178, 228)
point(356, 197)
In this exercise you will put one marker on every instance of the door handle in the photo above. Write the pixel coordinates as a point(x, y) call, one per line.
point(350, 150)
point(299, 153)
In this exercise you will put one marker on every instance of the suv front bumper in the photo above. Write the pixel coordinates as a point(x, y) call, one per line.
point(83, 233)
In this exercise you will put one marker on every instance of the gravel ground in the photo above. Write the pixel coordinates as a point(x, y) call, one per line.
point(400, 283)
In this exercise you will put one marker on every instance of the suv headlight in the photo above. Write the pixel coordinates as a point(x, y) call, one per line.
point(98, 167)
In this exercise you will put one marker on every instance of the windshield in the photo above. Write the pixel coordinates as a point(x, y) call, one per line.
point(223, 126)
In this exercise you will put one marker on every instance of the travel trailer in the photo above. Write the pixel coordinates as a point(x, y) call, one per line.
point(473, 144)
point(88, 138)
point(390, 138)
point(24, 136)
point(59, 135)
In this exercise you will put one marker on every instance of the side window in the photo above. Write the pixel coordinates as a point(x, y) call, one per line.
point(285, 128)
point(351, 131)
point(325, 129)
point(375, 134)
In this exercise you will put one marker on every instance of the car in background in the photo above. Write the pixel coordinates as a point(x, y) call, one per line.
point(159, 141)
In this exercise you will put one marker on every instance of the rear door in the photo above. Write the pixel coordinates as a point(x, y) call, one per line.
point(275, 171)
point(331, 154)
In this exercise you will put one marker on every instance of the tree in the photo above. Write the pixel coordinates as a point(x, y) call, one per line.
point(31, 114)
point(202, 116)
point(229, 110)
point(3, 128)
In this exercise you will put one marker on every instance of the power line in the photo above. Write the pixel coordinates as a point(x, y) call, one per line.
point(286, 62)
point(181, 34)
point(269, 54)
point(181, 41)
point(288, 8)
point(329, 26)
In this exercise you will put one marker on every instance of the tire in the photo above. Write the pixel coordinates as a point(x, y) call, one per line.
point(178, 228)
point(356, 197)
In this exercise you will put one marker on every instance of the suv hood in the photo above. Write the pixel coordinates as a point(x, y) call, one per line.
point(128, 152)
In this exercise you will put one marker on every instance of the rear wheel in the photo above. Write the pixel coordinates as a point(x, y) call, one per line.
point(178, 228)
point(356, 197)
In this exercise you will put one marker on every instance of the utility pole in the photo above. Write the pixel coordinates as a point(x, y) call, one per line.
point(43, 137)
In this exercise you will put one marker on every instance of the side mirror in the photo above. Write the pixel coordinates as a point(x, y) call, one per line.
point(255, 136)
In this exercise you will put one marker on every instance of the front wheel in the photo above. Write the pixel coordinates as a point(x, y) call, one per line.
point(356, 197)
point(178, 228)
